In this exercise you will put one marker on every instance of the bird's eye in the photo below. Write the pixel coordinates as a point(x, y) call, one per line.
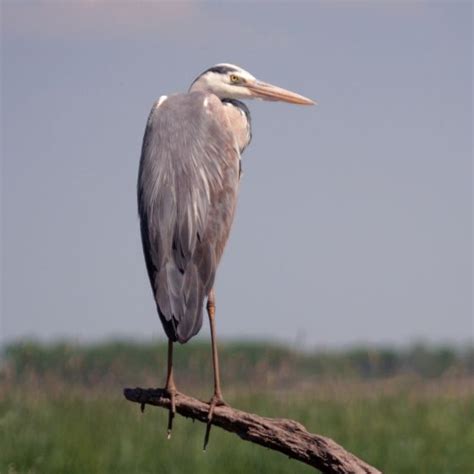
point(234, 78)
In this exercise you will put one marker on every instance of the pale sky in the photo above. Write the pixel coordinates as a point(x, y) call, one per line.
point(354, 222)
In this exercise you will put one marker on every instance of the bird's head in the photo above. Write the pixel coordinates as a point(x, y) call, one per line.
point(228, 81)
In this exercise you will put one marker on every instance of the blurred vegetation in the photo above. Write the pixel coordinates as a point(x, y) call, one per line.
point(74, 434)
point(260, 363)
point(404, 410)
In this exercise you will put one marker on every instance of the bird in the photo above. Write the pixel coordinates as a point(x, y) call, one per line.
point(188, 182)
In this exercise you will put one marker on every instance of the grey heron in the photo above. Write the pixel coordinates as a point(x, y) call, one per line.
point(188, 182)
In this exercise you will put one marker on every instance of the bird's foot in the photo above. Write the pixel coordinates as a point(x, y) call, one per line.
point(171, 391)
point(215, 401)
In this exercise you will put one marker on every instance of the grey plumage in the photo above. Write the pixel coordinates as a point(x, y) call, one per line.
point(187, 192)
point(187, 189)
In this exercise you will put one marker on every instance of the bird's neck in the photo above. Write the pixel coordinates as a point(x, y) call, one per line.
point(239, 118)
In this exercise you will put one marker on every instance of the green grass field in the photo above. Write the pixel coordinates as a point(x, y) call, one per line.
point(402, 424)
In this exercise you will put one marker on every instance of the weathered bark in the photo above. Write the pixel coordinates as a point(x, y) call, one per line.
point(287, 436)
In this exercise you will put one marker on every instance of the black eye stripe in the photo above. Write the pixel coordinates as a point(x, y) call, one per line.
point(221, 69)
point(217, 69)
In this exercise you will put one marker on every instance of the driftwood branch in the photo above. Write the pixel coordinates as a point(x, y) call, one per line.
point(285, 436)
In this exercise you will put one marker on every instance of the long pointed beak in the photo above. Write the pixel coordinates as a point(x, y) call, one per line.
point(262, 90)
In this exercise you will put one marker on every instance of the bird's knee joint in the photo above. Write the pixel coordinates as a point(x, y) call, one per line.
point(211, 308)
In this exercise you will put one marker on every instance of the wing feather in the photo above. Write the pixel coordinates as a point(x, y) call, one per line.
point(187, 191)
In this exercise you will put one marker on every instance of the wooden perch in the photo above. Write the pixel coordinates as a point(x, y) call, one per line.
point(285, 436)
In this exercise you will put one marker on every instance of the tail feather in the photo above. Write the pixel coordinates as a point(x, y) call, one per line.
point(180, 300)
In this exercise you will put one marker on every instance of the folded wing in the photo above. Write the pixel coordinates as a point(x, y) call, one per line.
point(187, 192)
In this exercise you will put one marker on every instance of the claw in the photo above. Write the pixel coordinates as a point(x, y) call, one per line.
point(171, 411)
point(216, 400)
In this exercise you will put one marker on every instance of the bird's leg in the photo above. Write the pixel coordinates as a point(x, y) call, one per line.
point(170, 387)
point(216, 399)
point(211, 310)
